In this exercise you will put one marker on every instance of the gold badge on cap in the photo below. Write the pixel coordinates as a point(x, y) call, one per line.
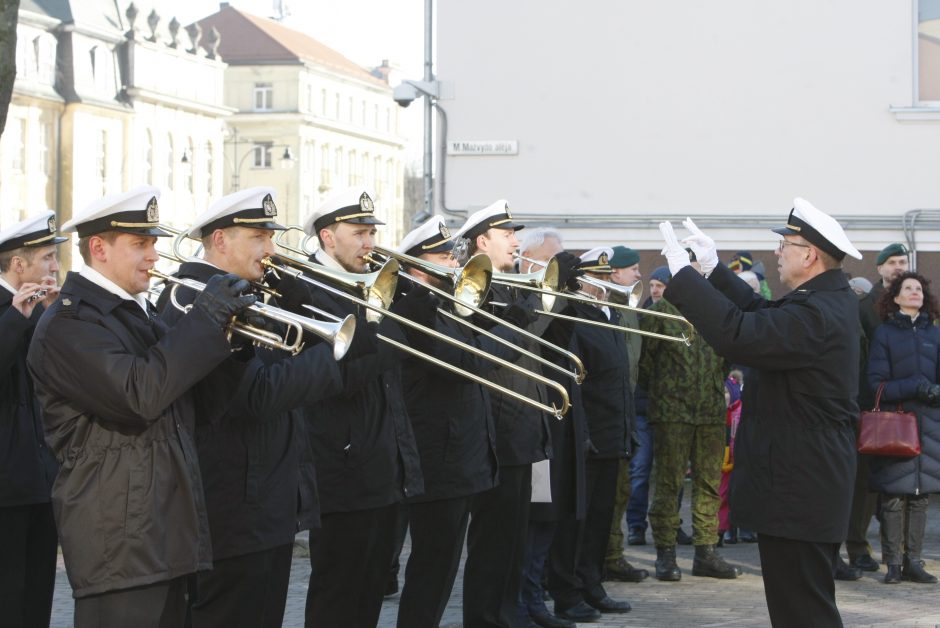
point(603, 260)
point(508, 213)
point(445, 232)
point(365, 203)
point(153, 211)
point(51, 224)
point(268, 205)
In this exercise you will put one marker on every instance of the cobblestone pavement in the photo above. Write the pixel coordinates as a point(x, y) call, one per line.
point(700, 602)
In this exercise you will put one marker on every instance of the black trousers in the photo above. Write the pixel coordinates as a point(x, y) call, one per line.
point(903, 524)
point(496, 539)
point(350, 556)
point(437, 533)
point(28, 542)
point(577, 555)
point(798, 582)
point(249, 590)
point(161, 605)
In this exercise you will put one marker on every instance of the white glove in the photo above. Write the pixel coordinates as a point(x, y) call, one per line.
point(704, 247)
point(676, 256)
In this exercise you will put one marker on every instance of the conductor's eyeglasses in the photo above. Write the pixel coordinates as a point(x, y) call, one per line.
point(785, 243)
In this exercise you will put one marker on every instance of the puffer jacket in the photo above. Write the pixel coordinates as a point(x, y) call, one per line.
point(902, 355)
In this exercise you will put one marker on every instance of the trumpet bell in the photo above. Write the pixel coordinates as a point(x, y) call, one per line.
point(340, 334)
point(545, 279)
point(472, 284)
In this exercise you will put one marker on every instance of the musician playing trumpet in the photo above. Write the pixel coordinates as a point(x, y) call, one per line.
point(28, 541)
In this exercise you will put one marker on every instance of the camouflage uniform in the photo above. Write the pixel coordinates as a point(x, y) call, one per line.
point(687, 414)
point(622, 496)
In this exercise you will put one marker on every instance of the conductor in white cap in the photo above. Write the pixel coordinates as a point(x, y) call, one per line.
point(114, 384)
point(795, 453)
point(28, 540)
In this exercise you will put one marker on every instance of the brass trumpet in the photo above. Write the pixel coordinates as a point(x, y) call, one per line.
point(338, 334)
point(296, 269)
point(583, 298)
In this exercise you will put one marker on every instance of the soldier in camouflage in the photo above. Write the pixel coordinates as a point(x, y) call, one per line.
point(687, 413)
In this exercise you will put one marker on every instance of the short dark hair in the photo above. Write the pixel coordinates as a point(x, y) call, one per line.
point(886, 306)
point(107, 236)
point(332, 227)
point(6, 258)
point(472, 247)
point(828, 261)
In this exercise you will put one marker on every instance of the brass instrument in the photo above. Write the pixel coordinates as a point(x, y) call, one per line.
point(338, 334)
point(626, 291)
point(544, 281)
point(479, 264)
point(296, 268)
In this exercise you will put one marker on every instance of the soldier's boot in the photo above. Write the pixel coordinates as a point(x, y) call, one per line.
point(666, 567)
point(709, 563)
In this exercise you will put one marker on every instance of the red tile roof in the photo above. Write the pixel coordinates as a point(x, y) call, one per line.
point(250, 40)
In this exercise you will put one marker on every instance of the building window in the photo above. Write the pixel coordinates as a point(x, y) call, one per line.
point(351, 169)
point(170, 163)
point(45, 144)
point(363, 113)
point(264, 96)
point(325, 178)
point(148, 158)
point(338, 164)
point(927, 71)
point(101, 160)
point(210, 167)
point(375, 118)
point(308, 157)
point(262, 155)
point(17, 131)
point(388, 120)
point(350, 110)
point(323, 102)
point(45, 60)
point(336, 108)
point(188, 173)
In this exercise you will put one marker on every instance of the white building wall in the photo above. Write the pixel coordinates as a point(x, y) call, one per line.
point(652, 109)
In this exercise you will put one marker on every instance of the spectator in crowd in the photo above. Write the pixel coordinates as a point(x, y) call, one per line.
point(904, 357)
point(860, 285)
point(743, 261)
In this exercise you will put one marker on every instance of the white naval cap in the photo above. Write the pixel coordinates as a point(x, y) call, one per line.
point(819, 229)
point(253, 208)
point(134, 211)
point(597, 260)
point(431, 237)
point(38, 230)
point(353, 205)
point(494, 216)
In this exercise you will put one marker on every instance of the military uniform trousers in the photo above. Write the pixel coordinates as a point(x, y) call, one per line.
point(674, 445)
point(28, 545)
point(496, 541)
point(577, 554)
point(248, 590)
point(798, 582)
point(349, 559)
point(160, 605)
point(438, 529)
point(621, 499)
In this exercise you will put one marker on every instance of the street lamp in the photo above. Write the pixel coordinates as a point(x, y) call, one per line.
point(287, 157)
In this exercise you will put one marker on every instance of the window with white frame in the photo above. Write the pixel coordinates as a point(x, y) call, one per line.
point(262, 156)
point(927, 74)
point(210, 167)
point(17, 130)
point(45, 59)
point(45, 145)
point(148, 157)
point(101, 159)
point(188, 173)
point(170, 163)
point(263, 97)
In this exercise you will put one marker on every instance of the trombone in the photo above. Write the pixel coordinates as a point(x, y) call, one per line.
point(296, 268)
point(470, 286)
point(338, 334)
point(624, 291)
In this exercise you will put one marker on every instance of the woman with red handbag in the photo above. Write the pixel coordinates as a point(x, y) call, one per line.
point(905, 355)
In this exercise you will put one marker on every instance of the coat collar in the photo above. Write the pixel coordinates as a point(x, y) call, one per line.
point(89, 292)
point(829, 280)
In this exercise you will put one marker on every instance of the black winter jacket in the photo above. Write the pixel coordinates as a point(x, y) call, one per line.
point(902, 355)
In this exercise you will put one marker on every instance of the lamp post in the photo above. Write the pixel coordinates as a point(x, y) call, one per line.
point(287, 157)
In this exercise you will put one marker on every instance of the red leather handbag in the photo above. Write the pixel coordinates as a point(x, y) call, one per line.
point(886, 432)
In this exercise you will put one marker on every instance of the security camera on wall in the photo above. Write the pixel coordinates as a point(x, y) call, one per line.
point(405, 94)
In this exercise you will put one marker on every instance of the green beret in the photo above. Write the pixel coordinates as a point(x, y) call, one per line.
point(624, 257)
point(890, 251)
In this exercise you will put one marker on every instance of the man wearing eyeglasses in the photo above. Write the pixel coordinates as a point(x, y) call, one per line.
point(795, 449)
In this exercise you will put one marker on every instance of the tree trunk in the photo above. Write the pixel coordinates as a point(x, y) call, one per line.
point(9, 12)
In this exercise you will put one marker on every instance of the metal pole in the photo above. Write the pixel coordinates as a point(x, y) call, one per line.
point(428, 111)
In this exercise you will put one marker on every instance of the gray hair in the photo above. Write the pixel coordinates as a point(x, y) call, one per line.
point(533, 238)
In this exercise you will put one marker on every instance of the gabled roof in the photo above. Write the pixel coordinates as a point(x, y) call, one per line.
point(250, 40)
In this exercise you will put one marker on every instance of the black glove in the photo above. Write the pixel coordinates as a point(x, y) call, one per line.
point(418, 305)
point(568, 271)
point(364, 341)
point(928, 393)
point(293, 293)
point(222, 298)
point(520, 314)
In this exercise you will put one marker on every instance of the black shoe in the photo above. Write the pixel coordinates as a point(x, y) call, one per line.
point(666, 567)
point(547, 620)
point(913, 570)
point(844, 571)
point(682, 538)
point(622, 571)
point(893, 574)
point(607, 605)
point(864, 562)
point(730, 537)
point(710, 564)
point(579, 612)
point(636, 536)
point(745, 536)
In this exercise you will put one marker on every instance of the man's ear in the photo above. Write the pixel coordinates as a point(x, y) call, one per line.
point(482, 242)
point(97, 248)
point(326, 237)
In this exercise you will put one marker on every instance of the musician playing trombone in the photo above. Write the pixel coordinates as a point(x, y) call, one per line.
point(28, 541)
point(366, 457)
point(453, 425)
point(496, 541)
point(115, 386)
point(250, 434)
